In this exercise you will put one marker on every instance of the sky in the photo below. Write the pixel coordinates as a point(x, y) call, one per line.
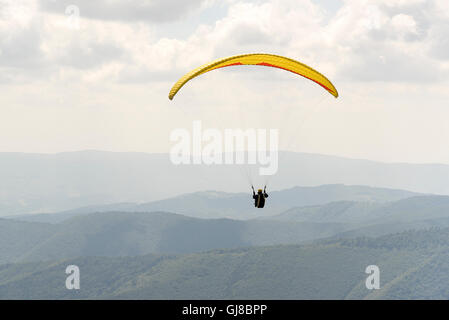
point(78, 75)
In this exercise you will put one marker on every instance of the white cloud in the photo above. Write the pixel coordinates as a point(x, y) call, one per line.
point(363, 40)
point(386, 56)
point(403, 24)
point(150, 11)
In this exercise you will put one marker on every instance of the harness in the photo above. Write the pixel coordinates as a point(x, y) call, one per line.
point(258, 200)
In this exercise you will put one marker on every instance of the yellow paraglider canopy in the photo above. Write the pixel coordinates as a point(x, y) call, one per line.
point(259, 59)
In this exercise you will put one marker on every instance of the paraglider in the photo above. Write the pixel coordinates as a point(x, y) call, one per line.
point(259, 198)
point(259, 59)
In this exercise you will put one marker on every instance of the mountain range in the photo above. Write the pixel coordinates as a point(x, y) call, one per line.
point(120, 233)
point(215, 204)
point(412, 265)
point(41, 183)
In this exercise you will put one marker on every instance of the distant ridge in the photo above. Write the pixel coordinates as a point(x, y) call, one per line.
point(215, 204)
point(37, 183)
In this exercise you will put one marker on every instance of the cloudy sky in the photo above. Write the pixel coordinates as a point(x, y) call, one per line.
point(79, 75)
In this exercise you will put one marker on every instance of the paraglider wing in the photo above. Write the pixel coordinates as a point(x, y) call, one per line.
point(260, 59)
